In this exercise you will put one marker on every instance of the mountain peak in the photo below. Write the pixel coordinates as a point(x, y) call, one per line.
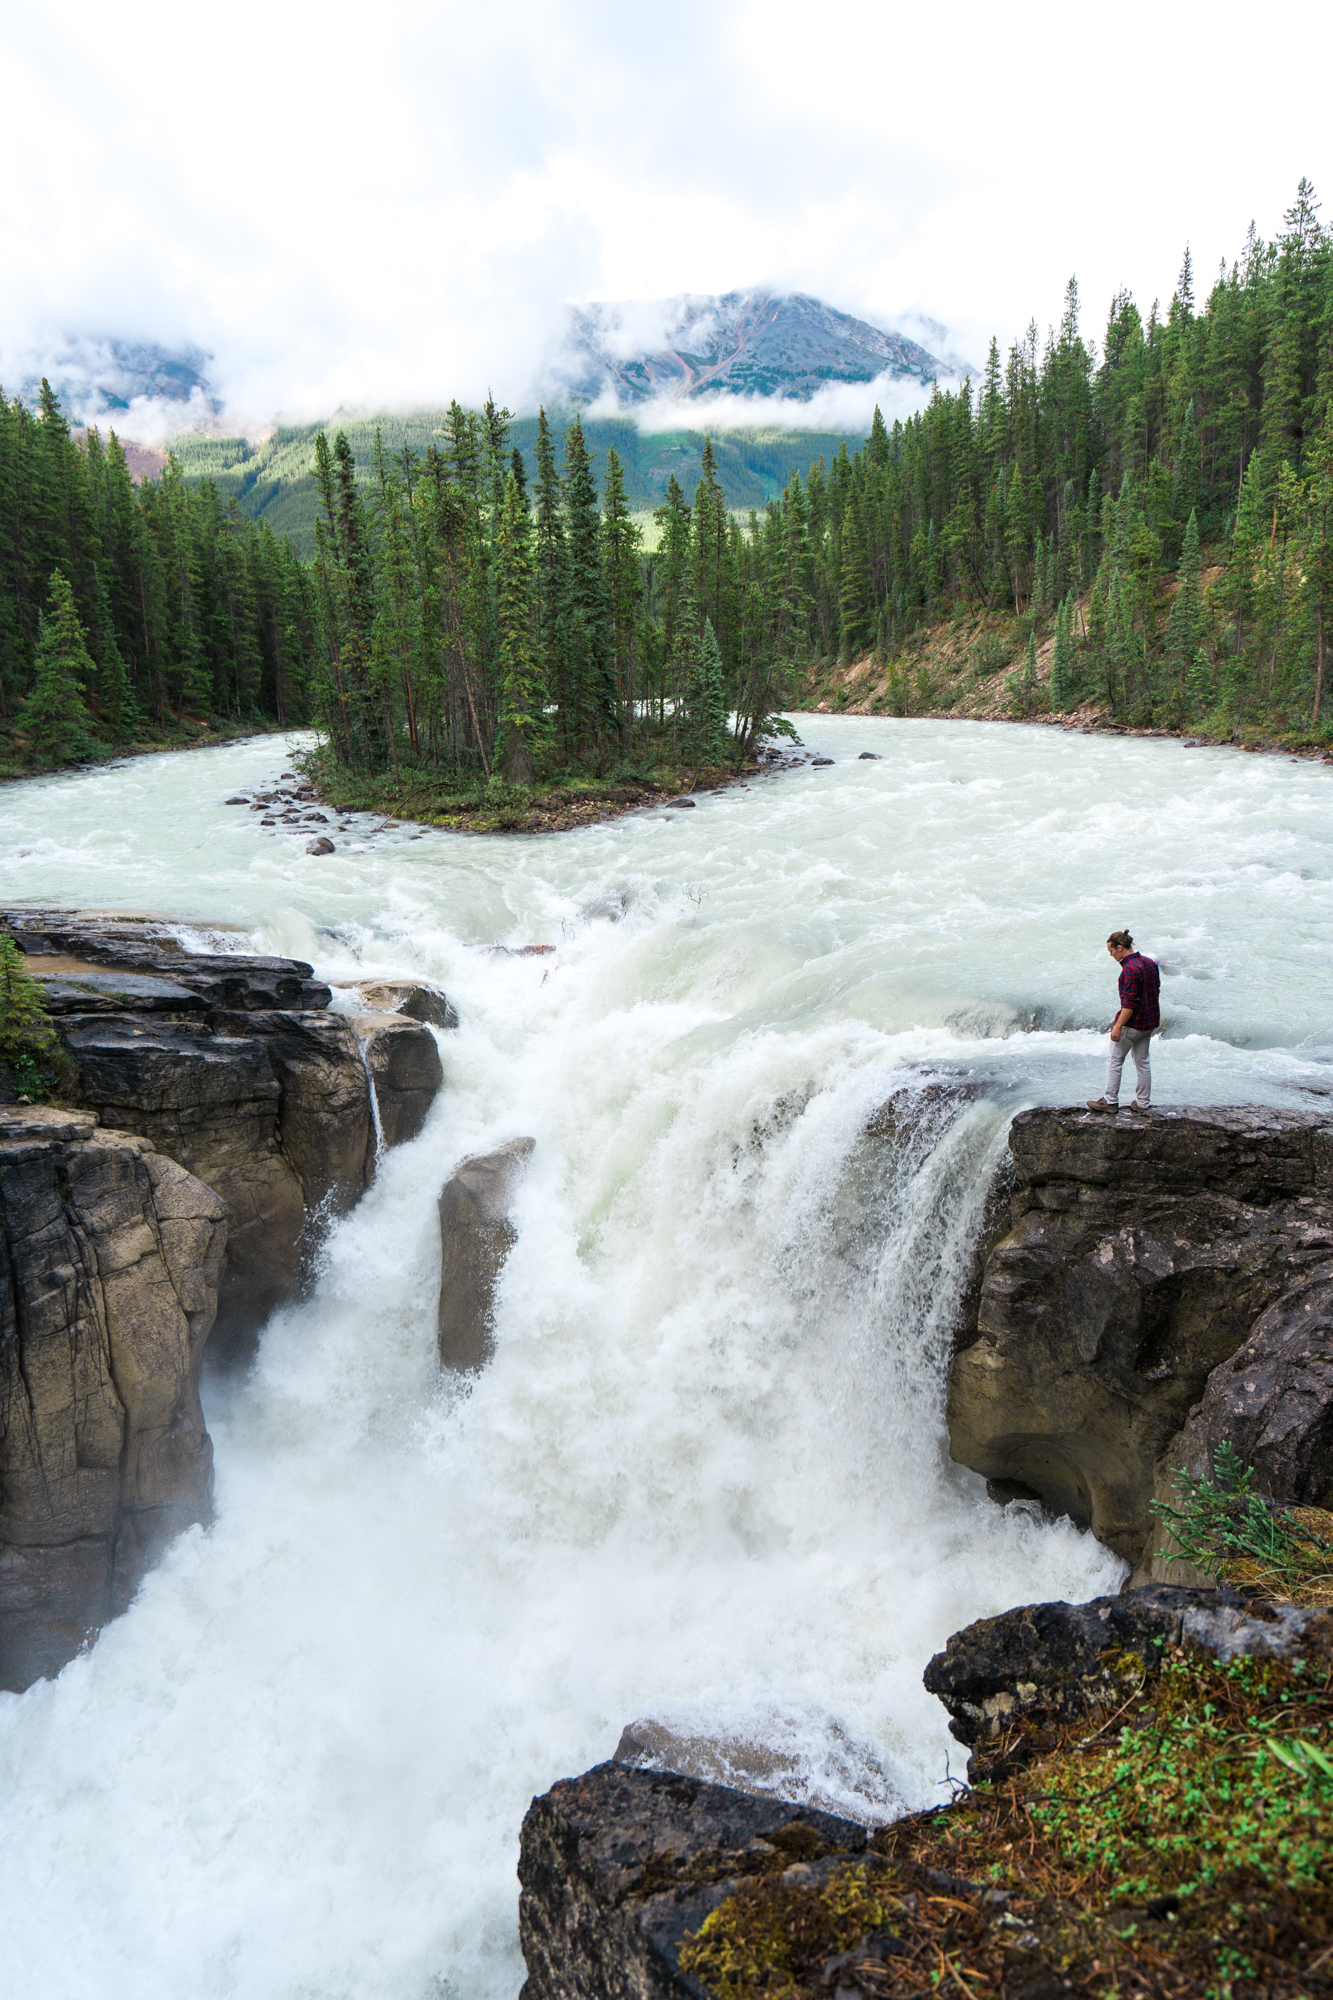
point(746, 343)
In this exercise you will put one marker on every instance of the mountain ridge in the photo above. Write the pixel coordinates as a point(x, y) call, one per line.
point(756, 343)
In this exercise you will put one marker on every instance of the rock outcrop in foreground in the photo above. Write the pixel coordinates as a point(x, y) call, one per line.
point(618, 1866)
point(1208, 1872)
point(1143, 1256)
point(1048, 1664)
point(110, 1259)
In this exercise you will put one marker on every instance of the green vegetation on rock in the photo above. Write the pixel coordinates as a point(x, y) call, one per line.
point(30, 1051)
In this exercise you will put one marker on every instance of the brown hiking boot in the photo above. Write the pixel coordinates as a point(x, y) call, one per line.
point(1141, 1110)
point(1101, 1104)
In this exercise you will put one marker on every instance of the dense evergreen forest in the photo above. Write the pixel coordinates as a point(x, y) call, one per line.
point(1160, 510)
point(272, 477)
point(1154, 514)
point(124, 609)
point(1161, 507)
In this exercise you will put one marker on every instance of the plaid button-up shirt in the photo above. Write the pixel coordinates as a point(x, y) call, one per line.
point(1139, 984)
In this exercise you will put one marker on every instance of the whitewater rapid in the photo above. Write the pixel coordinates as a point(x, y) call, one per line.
point(704, 1476)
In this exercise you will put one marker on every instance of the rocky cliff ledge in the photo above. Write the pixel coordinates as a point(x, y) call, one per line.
point(1143, 1259)
point(235, 1067)
point(225, 1116)
point(110, 1258)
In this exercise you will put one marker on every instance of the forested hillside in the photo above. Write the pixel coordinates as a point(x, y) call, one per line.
point(1159, 511)
point(1150, 517)
point(272, 479)
point(125, 610)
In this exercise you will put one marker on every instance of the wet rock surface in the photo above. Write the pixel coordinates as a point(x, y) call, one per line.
point(413, 998)
point(1056, 1662)
point(618, 1866)
point(476, 1236)
point(110, 1261)
point(234, 1067)
point(404, 1064)
point(1141, 1256)
point(1273, 1400)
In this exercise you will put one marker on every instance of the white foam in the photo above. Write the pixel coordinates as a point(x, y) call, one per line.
point(705, 1474)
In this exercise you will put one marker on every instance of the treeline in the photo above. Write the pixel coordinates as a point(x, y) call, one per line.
point(124, 609)
point(1160, 508)
point(1073, 489)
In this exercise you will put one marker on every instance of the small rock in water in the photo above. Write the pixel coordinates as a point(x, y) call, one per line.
point(682, 803)
point(871, 756)
point(821, 760)
point(268, 822)
point(236, 802)
point(323, 819)
point(323, 845)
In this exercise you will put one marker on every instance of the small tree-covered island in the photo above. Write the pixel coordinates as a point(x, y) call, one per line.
point(1138, 532)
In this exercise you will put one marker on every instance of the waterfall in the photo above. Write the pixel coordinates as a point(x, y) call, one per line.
point(705, 1476)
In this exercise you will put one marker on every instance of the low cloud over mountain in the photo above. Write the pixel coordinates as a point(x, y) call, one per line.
point(753, 344)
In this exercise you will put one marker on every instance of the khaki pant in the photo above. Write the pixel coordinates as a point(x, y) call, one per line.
point(1133, 1042)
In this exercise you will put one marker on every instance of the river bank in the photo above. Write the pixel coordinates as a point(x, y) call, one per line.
point(973, 669)
point(555, 805)
point(186, 735)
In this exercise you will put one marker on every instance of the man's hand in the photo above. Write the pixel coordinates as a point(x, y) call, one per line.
point(1115, 1031)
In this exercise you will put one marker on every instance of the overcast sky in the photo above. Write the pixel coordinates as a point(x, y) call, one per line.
point(379, 205)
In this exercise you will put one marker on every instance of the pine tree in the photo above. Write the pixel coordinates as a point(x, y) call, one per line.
point(1061, 659)
point(621, 539)
point(707, 712)
point(523, 725)
point(54, 718)
point(1184, 626)
point(119, 709)
point(588, 696)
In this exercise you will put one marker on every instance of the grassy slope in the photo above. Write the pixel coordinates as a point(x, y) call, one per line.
point(272, 478)
point(964, 669)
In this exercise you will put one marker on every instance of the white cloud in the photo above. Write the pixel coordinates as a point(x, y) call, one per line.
point(352, 208)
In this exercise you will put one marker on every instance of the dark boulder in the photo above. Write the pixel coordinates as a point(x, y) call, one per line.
point(321, 845)
point(1052, 1663)
point(616, 1867)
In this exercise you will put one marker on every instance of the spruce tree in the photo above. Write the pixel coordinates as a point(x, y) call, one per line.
point(707, 709)
point(1060, 660)
point(523, 726)
point(57, 724)
point(1184, 625)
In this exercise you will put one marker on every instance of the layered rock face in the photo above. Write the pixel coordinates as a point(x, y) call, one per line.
point(110, 1261)
point(1141, 1258)
point(234, 1067)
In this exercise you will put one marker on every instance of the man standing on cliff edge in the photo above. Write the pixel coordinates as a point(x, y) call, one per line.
point(1134, 1026)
